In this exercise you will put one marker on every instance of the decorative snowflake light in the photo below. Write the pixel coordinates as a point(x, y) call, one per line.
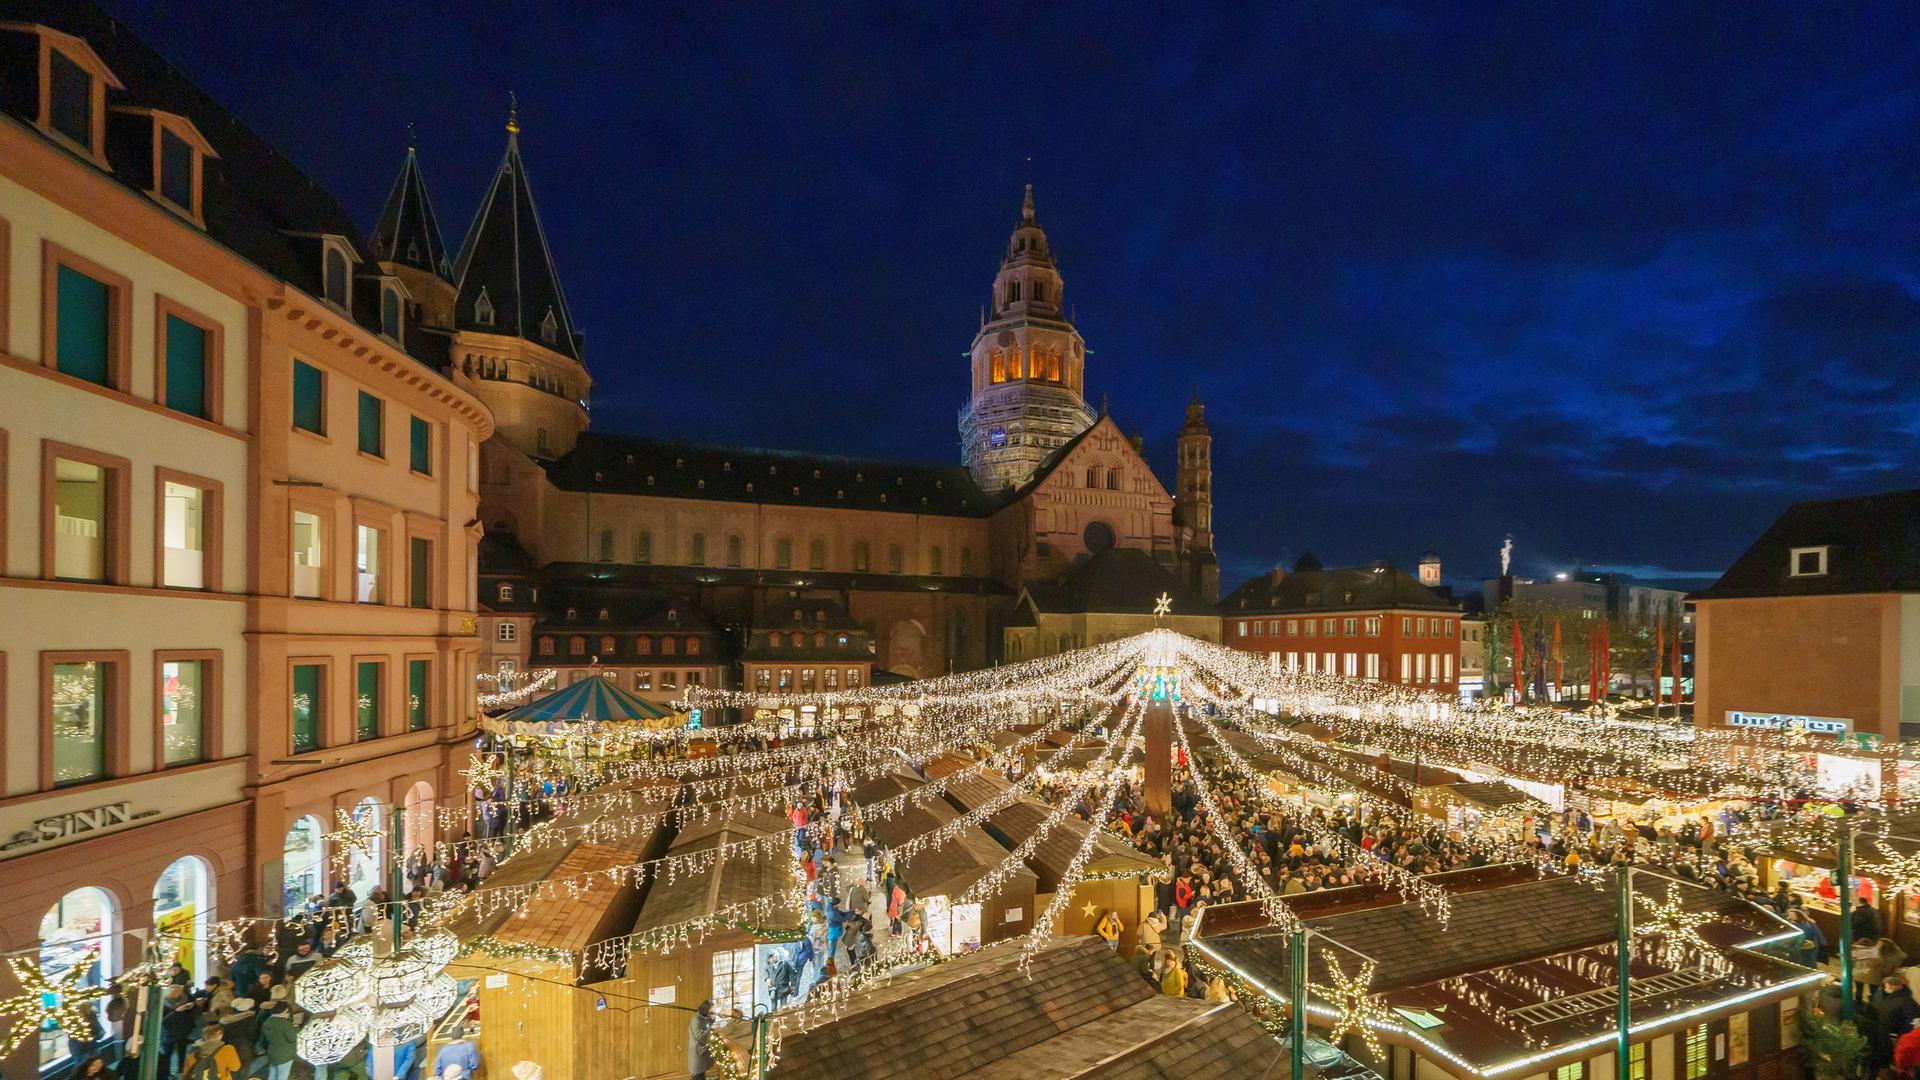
point(1356, 1009)
point(1676, 928)
point(1898, 872)
point(44, 1001)
point(353, 837)
point(482, 772)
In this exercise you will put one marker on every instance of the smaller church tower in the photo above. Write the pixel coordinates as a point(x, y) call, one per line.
point(406, 241)
point(1430, 569)
point(1193, 502)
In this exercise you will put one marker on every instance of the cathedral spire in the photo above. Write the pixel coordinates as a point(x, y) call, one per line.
point(505, 275)
point(407, 232)
point(1026, 207)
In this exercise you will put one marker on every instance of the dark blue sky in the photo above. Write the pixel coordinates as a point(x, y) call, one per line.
point(1622, 281)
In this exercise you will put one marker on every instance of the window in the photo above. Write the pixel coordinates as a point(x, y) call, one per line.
point(1113, 479)
point(783, 554)
point(187, 354)
point(1807, 562)
point(1312, 627)
point(506, 592)
point(1293, 627)
point(1373, 665)
point(1241, 628)
point(1313, 663)
point(308, 705)
point(861, 556)
point(546, 646)
point(1351, 666)
point(966, 562)
point(808, 681)
point(697, 550)
point(390, 312)
point(366, 701)
point(935, 560)
point(507, 632)
point(666, 646)
point(308, 580)
point(669, 680)
point(816, 554)
point(643, 548)
point(336, 276)
point(1447, 674)
point(372, 421)
point(182, 909)
point(70, 99)
point(417, 678)
point(185, 686)
point(606, 545)
point(576, 646)
point(368, 564)
point(896, 559)
point(419, 572)
point(643, 680)
point(87, 323)
point(309, 398)
point(1449, 627)
point(1637, 1061)
point(1406, 626)
point(550, 329)
point(85, 505)
point(853, 678)
point(83, 925)
point(483, 308)
point(420, 446)
point(1373, 626)
point(1695, 1053)
point(1406, 667)
point(1570, 1072)
point(185, 513)
point(733, 981)
point(733, 551)
point(643, 646)
point(1328, 628)
point(692, 647)
point(83, 703)
point(1350, 627)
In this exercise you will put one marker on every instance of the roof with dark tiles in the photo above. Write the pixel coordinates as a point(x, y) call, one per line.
point(407, 231)
point(1379, 587)
point(505, 255)
point(1124, 581)
point(1872, 546)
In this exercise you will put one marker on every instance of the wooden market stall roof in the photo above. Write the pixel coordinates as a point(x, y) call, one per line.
point(595, 908)
point(1082, 1013)
point(741, 873)
point(1012, 825)
point(933, 869)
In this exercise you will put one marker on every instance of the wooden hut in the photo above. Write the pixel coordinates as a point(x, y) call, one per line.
point(939, 874)
point(1118, 877)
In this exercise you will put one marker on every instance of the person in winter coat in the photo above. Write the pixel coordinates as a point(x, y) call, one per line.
point(1150, 930)
point(1174, 982)
point(277, 1039)
point(1906, 1052)
point(1897, 1011)
point(1109, 930)
point(699, 1057)
point(212, 1058)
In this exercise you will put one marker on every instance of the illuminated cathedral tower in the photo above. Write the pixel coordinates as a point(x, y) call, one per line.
point(1029, 367)
point(1193, 503)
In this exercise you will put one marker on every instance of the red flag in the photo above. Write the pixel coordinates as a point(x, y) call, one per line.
point(1606, 660)
point(1659, 655)
point(1676, 669)
point(1519, 668)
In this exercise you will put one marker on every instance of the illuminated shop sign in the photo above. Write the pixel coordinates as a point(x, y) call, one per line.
point(1821, 725)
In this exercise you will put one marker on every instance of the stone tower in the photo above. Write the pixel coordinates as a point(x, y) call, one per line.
point(1193, 502)
point(513, 334)
point(1430, 569)
point(406, 241)
point(1029, 367)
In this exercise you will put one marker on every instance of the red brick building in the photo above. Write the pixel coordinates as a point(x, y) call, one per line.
point(1363, 622)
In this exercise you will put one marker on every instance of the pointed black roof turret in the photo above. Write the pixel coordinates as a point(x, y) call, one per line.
point(505, 277)
point(408, 233)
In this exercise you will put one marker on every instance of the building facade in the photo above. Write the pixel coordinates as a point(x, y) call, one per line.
point(234, 516)
point(1366, 622)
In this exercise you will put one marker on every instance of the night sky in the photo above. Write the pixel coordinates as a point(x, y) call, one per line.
point(1622, 283)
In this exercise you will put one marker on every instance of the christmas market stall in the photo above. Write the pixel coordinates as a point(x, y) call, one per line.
point(967, 892)
point(1521, 983)
point(714, 933)
point(1883, 859)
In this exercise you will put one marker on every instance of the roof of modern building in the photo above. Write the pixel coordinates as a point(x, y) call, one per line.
point(1379, 587)
point(1872, 545)
point(635, 465)
point(1122, 581)
point(1077, 1011)
point(505, 256)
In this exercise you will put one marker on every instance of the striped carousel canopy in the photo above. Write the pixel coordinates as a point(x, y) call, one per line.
point(593, 698)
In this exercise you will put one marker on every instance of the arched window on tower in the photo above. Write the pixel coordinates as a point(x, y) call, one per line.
point(999, 366)
point(1053, 366)
point(1013, 292)
point(1039, 292)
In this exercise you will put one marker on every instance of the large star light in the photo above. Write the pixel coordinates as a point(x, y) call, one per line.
point(61, 1002)
point(1356, 1009)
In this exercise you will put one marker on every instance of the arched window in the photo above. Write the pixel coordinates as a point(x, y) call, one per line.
point(1093, 476)
point(697, 549)
point(302, 864)
point(577, 646)
point(936, 561)
point(506, 592)
point(183, 911)
point(80, 931)
point(666, 646)
point(733, 550)
point(1039, 292)
point(816, 554)
point(862, 556)
point(896, 559)
point(606, 545)
point(643, 548)
point(364, 871)
point(606, 646)
point(693, 646)
point(783, 554)
point(1053, 366)
point(336, 283)
point(999, 366)
point(1113, 479)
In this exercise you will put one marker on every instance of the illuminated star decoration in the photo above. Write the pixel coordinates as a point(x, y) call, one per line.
point(482, 772)
point(353, 836)
point(1088, 909)
point(1898, 872)
point(1676, 927)
point(1163, 607)
point(1356, 1009)
point(42, 1001)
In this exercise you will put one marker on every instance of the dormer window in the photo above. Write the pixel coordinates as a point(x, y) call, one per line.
point(1807, 562)
point(73, 83)
point(69, 99)
point(483, 308)
point(506, 593)
point(413, 251)
point(572, 614)
point(550, 329)
point(603, 614)
point(390, 312)
point(336, 282)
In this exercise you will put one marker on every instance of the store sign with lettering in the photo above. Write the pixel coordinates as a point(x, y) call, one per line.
point(1818, 725)
point(75, 823)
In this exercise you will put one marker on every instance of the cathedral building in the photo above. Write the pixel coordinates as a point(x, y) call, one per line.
point(927, 561)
